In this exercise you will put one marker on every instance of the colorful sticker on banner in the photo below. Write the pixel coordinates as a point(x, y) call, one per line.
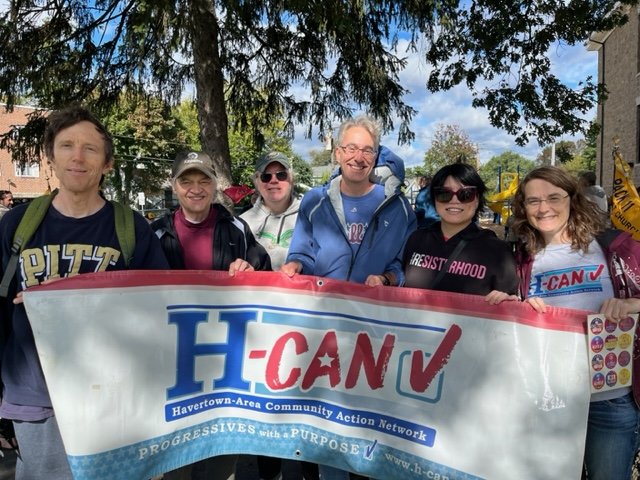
point(611, 360)
point(598, 381)
point(618, 345)
point(611, 342)
point(624, 375)
point(624, 358)
point(624, 341)
point(626, 324)
point(597, 362)
point(596, 326)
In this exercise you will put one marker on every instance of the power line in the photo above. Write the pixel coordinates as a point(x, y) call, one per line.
point(150, 139)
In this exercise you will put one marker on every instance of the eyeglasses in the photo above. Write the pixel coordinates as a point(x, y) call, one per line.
point(552, 200)
point(367, 152)
point(282, 175)
point(464, 194)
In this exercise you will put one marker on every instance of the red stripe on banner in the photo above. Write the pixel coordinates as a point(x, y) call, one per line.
point(556, 318)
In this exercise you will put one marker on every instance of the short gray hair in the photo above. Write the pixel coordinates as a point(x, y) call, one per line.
point(364, 121)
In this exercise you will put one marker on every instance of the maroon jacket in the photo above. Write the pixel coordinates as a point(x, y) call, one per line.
point(623, 260)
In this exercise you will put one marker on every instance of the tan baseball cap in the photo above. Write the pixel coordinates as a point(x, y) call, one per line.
point(193, 161)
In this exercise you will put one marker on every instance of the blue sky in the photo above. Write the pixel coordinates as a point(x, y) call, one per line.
point(571, 64)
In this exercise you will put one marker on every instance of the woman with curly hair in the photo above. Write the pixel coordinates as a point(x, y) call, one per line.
point(561, 231)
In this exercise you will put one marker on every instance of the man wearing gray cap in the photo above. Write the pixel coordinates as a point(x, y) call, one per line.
point(273, 216)
point(202, 235)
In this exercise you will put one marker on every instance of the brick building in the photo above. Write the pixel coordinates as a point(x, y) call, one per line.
point(619, 116)
point(28, 181)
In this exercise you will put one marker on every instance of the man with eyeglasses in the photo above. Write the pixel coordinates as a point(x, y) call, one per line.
point(354, 227)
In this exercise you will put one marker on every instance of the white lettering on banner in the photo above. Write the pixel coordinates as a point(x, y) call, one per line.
point(324, 441)
point(185, 437)
point(319, 410)
point(390, 383)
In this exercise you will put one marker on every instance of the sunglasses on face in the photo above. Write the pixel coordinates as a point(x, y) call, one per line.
point(282, 175)
point(465, 194)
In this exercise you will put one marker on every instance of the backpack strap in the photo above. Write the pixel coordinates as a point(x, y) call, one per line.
point(452, 257)
point(29, 223)
point(33, 216)
point(125, 230)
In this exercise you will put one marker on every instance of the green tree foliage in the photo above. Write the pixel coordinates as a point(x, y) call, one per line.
point(186, 114)
point(450, 144)
point(417, 171)
point(506, 162)
point(245, 151)
point(584, 159)
point(507, 44)
point(146, 140)
point(565, 151)
point(244, 58)
point(320, 158)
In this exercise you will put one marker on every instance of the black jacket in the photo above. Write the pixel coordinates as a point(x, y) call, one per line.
point(232, 239)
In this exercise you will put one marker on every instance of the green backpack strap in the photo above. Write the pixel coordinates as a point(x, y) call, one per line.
point(33, 216)
point(125, 230)
point(29, 223)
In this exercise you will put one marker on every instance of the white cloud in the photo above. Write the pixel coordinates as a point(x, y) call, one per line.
point(572, 64)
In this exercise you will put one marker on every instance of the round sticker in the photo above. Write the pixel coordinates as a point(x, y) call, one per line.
point(624, 341)
point(612, 378)
point(624, 358)
point(610, 360)
point(624, 376)
point(597, 362)
point(611, 342)
point(598, 381)
point(596, 344)
point(610, 326)
point(625, 324)
point(596, 325)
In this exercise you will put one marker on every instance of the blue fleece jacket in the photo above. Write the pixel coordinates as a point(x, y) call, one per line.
point(320, 241)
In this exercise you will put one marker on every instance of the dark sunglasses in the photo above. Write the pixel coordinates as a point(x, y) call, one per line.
point(465, 194)
point(282, 175)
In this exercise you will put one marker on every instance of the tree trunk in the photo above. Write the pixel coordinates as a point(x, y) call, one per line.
point(212, 114)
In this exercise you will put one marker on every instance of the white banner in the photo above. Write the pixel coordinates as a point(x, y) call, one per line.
point(149, 371)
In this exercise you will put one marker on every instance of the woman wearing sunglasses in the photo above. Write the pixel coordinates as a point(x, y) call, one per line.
point(455, 254)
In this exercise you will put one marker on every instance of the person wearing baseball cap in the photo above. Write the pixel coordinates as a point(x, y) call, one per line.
point(199, 161)
point(274, 213)
point(203, 235)
point(272, 220)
